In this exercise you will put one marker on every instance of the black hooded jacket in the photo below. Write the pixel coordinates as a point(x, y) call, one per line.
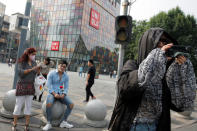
point(129, 93)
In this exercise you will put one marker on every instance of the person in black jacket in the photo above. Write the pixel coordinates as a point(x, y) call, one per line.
point(90, 80)
point(149, 87)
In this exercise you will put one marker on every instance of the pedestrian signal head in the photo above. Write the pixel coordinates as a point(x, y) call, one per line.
point(123, 26)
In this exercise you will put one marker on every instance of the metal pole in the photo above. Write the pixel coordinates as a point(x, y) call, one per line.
point(22, 45)
point(120, 59)
point(10, 45)
point(125, 4)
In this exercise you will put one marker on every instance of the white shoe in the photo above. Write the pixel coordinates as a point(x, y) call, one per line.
point(47, 127)
point(65, 124)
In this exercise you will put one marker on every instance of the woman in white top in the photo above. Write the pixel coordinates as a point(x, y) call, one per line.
point(45, 68)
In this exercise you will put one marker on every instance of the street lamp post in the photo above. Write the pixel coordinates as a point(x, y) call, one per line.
point(22, 39)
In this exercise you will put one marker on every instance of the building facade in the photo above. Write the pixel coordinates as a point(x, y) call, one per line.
point(76, 30)
point(4, 37)
point(9, 40)
point(2, 9)
point(2, 13)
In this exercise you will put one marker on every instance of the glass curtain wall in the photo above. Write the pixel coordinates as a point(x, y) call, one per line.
point(100, 42)
point(56, 20)
point(68, 21)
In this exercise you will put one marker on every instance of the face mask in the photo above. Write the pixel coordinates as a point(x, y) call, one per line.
point(32, 57)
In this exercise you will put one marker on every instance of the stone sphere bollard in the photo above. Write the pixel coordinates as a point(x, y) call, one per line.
point(95, 113)
point(9, 101)
point(58, 110)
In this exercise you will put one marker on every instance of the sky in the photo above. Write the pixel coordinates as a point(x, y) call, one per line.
point(145, 9)
point(140, 10)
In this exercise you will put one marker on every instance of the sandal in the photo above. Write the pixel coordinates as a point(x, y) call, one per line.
point(14, 126)
point(27, 127)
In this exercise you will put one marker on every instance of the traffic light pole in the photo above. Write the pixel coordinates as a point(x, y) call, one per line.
point(22, 46)
point(125, 4)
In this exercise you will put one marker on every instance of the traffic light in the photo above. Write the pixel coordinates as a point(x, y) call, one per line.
point(123, 27)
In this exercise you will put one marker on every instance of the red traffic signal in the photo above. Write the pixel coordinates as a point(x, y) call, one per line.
point(123, 26)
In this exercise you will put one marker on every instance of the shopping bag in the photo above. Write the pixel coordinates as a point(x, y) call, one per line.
point(38, 84)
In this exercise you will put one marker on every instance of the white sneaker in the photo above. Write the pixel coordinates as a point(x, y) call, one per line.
point(65, 124)
point(47, 127)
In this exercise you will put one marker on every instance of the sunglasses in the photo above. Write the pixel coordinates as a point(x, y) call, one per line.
point(165, 41)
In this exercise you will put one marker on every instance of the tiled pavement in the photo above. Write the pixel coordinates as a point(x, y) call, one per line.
point(104, 89)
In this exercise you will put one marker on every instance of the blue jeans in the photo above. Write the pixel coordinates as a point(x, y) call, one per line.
point(144, 127)
point(51, 99)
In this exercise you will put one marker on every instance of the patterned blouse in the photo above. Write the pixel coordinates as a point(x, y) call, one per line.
point(180, 80)
point(30, 77)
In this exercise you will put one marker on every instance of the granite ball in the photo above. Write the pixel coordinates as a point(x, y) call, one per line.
point(95, 110)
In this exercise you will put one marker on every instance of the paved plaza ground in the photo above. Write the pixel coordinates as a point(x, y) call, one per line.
point(103, 89)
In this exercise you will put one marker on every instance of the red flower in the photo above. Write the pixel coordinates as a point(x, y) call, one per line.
point(61, 87)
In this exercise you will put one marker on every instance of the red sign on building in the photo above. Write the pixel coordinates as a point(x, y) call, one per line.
point(94, 19)
point(55, 45)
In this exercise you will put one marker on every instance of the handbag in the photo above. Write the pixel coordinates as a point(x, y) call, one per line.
point(38, 84)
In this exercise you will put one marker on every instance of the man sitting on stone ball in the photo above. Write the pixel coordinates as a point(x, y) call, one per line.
point(57, 83)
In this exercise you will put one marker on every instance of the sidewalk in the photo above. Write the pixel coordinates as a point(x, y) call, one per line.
point(104, 89)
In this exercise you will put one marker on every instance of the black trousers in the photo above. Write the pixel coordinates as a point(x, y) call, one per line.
point(88, 91)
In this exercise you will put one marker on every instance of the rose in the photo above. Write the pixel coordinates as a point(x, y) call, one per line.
point(62, 89)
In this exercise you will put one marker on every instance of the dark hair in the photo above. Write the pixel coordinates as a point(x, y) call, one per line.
point(165, 38)
point(62, 62)
point(91, 61)
point(48, 60)
point(24, 57)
